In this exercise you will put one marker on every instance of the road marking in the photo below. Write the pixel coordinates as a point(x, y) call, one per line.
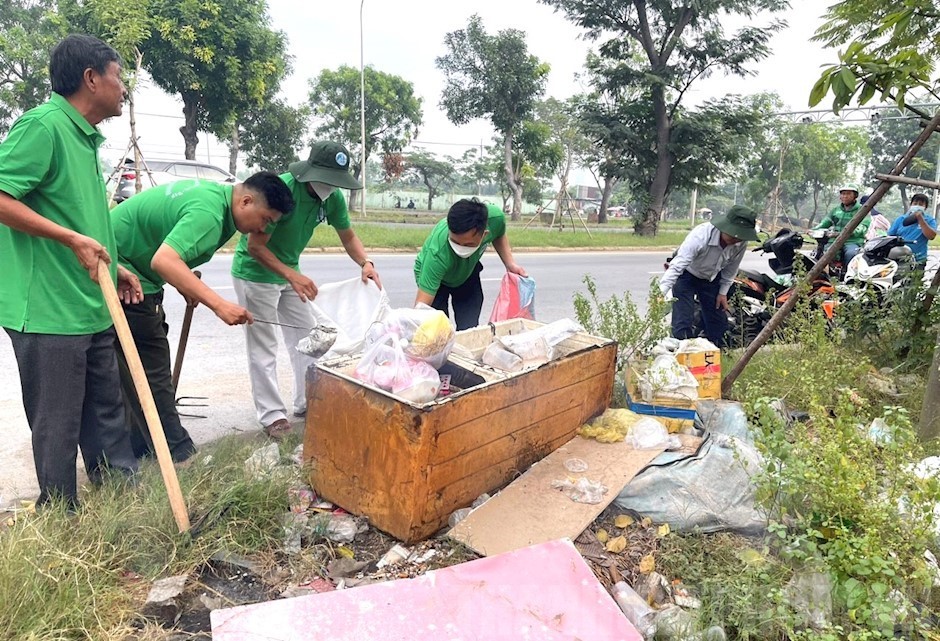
point(655, 273)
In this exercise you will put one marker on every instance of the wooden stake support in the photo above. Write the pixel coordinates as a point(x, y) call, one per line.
point(918, 182)
point(177, 504)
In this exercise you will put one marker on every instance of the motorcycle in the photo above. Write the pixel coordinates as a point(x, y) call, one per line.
point(837, 267)
point(884, 263)
point(755, 296)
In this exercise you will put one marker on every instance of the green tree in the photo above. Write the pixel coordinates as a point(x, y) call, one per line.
point(492, 77)
point(222, 58)
point(436, 174)
point(393, 113)
point(886, 49)
point(29, 29)
point(567, 139)
point(889, 136)
point(273, 134)
point(660, 48)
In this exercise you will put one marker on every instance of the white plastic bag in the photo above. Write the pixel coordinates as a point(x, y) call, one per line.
point(350, 306)
point(647, 434)
point(666, 378)
point(537, 346)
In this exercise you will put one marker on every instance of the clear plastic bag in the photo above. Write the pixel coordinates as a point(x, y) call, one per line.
point(648, 434)
point(501, 358)
point(426, 333)
point(386, 366)
point(516, 299)
point(581, 491)
point(537, 346)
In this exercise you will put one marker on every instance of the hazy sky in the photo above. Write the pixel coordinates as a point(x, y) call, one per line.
point(404, 38)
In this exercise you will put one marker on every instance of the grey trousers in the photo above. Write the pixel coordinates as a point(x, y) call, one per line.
point(72, 397)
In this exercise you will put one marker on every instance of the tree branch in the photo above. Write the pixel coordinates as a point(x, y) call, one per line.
point(676, 35)
point(645, 36)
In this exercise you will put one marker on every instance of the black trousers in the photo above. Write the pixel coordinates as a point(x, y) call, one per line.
point(147, 322)
point(72, 398)
point(686, 290)
point(466, 299)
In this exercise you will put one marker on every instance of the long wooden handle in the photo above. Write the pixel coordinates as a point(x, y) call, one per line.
point(146, 397)
point(184, 339)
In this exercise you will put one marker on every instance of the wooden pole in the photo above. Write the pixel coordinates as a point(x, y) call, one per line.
point(831, 253)
point(177, 504)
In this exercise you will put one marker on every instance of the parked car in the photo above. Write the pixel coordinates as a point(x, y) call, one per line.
point(165, 172)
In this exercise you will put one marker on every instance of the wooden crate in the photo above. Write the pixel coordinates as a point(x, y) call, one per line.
point(408, 466)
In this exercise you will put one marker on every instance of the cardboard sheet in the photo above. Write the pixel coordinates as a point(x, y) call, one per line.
point(545, 592)
point(528, 511)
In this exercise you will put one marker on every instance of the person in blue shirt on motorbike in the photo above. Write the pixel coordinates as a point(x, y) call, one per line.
point(916, 227)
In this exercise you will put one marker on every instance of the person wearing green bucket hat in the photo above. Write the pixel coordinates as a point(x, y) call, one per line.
point(703, 269)
point(269, 283)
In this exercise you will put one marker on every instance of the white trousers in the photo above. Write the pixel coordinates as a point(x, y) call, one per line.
point(279, 303)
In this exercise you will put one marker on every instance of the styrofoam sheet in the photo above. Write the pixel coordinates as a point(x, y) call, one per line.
point(541, 593)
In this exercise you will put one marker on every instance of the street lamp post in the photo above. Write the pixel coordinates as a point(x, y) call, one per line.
point(362, 113)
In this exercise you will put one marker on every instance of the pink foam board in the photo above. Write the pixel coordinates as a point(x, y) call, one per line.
point(540, 593)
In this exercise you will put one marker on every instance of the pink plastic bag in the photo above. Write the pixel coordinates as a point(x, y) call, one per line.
point(516, 299)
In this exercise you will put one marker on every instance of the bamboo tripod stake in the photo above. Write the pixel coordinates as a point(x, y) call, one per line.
point(177, 504)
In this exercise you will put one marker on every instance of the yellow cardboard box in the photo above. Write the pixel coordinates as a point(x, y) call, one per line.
point(706, 368)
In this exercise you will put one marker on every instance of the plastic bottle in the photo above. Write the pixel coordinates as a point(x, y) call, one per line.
point(634, 607)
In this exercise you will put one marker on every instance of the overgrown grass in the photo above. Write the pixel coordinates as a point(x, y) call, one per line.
point(73, 577)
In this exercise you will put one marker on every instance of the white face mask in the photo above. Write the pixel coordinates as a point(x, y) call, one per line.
point(462, 250)
point(322, 190)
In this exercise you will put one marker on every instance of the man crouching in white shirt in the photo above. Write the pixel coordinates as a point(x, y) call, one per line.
point(704, 266)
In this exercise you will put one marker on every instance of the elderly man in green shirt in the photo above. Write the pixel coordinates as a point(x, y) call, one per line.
point(54, 230)
point(268, 280)
point(448, 266)
point(161, 235)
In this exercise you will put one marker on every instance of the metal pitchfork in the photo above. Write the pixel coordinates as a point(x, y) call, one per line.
point(178, 363)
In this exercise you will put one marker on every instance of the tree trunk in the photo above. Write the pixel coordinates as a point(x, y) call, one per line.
point(190, 139)
point(609, 183)
point(929, 426)
point(355, 194)
point(132, 115)
point(514, 186)
point(649, 222)
point(904, 201)
point(812, 216)
point(233, 150)
point(430, 193)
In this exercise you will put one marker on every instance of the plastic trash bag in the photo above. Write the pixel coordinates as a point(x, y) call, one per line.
point(537, 346)
point(647, 434)
point(350, 306)
point(321, 338)
point(386, 366)
point(666, 378)
point(499, 357)
point(516, 299)
point(424, 333)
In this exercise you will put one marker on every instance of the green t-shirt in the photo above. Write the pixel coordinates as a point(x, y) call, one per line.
point(49, 162)
point(291, 234)
point(191, 216)
point(437, 263)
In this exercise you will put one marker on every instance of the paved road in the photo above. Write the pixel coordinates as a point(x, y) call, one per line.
point(216, 363)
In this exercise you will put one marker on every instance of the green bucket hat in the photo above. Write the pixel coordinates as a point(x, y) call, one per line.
point(740, 222)
point(328, 163)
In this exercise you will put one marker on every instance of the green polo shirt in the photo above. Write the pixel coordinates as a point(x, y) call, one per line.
point(49, 162)
point(437, 263)
point(291, 234)
point(193, 217)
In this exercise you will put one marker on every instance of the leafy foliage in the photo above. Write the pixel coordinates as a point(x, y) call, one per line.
point(889, 136)
point(494, 77)
point(433, 172)
point(393, 113)
point(621, 319)
point(29, 29)
point(273, 134)
point(887, 49)
point(222, 58)
point(654, 52)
